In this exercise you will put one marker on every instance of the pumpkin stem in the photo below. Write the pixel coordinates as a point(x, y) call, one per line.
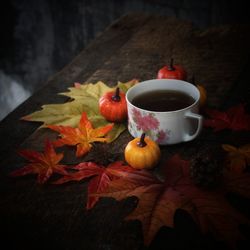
point(171, 65)
point(193, 80)
point(142, 142)
point(116, 97)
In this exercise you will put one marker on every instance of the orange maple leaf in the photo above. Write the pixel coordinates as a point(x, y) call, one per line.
point(42, 164)
point(81, 137)
point(158, 202)
point(237, 158)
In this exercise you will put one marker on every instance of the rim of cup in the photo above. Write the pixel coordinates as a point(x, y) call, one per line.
point(172, 81)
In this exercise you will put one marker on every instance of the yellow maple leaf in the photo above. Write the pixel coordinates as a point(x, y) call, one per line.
point(237, 158)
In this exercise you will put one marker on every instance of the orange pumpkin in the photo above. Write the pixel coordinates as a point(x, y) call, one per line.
point(203, 92)
point(142, 153)
point(172, 72)
point(203, 95)
point(113, 106)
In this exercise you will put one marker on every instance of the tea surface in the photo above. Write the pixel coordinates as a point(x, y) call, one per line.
point(163, 100)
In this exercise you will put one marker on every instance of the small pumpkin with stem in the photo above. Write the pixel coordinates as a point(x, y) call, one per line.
point(203, 92)
point(172, 71)
point(142, 153)
point(113, 106)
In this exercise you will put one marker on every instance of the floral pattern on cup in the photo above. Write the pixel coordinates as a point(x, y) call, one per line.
point(148, 124)
point(163, 136)
point(145, 122)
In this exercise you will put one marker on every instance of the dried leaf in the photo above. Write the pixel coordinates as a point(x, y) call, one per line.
point(158, 202)
point(81, 137)
point(101, 177)
point(235, 118)
point(42, 164)
point(237, 158)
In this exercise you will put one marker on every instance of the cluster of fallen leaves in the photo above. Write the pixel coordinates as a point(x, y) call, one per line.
point(84, 98)
point(79, 124)
point(157, 200)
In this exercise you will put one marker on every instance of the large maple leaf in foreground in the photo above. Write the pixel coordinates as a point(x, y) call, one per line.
point(158, 201)
point(42, 164)
point(100, 177)
point(235, 118)
point(81, 137)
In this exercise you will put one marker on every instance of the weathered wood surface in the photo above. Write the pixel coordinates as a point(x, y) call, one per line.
point(136, 46)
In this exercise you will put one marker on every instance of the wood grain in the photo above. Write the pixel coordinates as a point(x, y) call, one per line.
point(136, 46)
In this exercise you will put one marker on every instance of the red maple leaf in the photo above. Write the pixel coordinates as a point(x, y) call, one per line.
point(42, 164)
point(81, 137)
point(235, 118)
point(101, 177)
point(158, 202)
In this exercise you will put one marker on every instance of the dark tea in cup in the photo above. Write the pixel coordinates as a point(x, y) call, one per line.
point(163, 100)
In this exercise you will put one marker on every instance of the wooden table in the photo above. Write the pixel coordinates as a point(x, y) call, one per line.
point(137, 45)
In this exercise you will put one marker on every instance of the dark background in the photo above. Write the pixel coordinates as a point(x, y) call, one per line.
point(39, 37)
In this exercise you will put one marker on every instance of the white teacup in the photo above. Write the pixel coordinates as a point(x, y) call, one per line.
point(165, 127)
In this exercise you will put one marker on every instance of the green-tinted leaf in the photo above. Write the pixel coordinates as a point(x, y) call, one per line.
point(85, 91)
point(116, 131)
point(126, 86)
point(86, 97)
point(60, 114)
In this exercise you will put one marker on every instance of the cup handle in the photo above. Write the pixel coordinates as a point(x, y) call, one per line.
point(188, 137)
